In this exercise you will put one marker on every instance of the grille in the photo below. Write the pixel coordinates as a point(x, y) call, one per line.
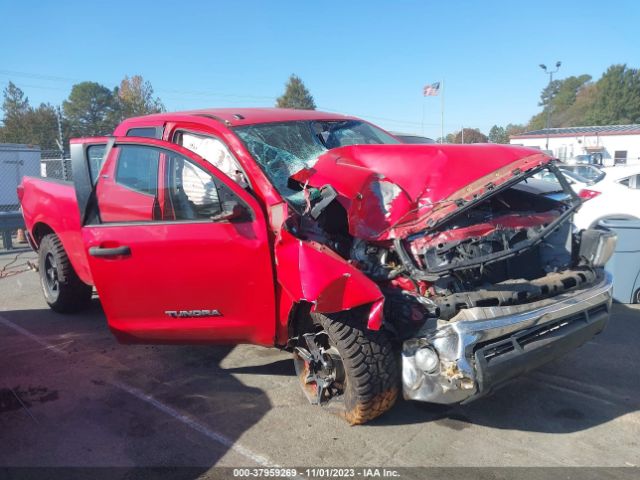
point(519, 340)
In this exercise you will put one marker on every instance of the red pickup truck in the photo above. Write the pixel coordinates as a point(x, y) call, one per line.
point(443, 270)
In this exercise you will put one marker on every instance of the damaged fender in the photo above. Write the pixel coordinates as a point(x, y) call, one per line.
point(311, 272)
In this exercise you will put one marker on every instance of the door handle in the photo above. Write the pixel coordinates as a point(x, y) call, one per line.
point(109, 252)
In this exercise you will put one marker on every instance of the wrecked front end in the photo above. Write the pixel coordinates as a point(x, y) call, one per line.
point(500, 287)
point(483, 275)
point(482, 347)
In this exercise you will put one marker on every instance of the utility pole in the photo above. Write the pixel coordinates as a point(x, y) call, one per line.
point(442, 111)
point(61, 144)
point(548, 120)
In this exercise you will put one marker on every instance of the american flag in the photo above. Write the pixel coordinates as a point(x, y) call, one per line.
point(431, 90)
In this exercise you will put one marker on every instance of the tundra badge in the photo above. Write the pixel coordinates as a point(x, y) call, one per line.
point(192, 313)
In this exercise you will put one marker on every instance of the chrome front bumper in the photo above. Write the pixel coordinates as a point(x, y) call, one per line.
point(483, 347)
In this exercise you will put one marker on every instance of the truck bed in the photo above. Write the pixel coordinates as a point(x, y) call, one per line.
point(50, 206)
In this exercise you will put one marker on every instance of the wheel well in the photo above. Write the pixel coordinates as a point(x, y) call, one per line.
point(299, 319)
point(38, 232)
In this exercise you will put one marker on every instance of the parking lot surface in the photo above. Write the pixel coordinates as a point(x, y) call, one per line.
point(70, 395)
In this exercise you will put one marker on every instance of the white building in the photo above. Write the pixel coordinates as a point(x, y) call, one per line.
point(613, 144)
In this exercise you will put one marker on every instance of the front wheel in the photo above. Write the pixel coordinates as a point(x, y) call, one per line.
point(63, 290)
point(343, 366)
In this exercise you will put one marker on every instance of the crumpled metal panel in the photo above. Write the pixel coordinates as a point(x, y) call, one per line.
point(391, 191)
point(511, 221)
point(312, 272)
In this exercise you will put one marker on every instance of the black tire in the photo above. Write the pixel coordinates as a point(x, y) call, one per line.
point(370, 373)
point(63, 290)
point(636, 297)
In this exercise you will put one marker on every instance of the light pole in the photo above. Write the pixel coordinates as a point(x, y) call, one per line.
point(550, 73)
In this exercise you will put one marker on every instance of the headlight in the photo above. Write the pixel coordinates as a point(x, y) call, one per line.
point(597, 246)
point(427, 359)
point(410, 376)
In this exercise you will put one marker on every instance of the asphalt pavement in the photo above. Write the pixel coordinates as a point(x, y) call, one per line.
point(70, 395)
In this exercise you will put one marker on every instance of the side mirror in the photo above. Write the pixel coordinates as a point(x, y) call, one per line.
point(231, 210)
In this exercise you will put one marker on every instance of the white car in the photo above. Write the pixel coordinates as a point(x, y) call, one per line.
point(616, 196)
point(576, 181)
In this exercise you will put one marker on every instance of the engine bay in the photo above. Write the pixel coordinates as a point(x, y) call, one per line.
point(514, 246)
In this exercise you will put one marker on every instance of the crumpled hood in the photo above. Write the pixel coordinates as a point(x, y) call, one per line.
point(391, 191)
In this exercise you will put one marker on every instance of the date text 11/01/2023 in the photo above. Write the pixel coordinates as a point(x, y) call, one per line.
point(323, 472)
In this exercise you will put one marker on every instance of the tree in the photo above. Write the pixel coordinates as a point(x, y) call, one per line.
point(448, 138)
point(14, 102)
point(296, 95)
point(471, 135)
point(15, 107)
point(548, 93)
point(557, 99)
point(577, 101)
point(617, 99)
point(569, 88)
point(43, 127)
point(135, 98)
point(537, 122)
point(578, 114)
point(498, 135)
point(514, 129)
point(91, 110)
point(24, 124)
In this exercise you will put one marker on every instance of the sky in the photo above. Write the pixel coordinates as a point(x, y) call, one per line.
point(364, 58)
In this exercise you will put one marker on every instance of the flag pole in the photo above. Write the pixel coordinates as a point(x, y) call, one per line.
point(442, 112)
point(424, 101)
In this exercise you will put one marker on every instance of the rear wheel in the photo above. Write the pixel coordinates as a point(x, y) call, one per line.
point(346, 368)
point(63, 290)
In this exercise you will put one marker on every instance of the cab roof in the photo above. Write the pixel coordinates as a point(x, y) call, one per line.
point(250, 116)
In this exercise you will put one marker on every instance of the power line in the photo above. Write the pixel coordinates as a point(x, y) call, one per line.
point(38, 76)
point(185, 95)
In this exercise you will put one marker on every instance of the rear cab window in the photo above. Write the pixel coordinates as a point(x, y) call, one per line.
point(146, 132)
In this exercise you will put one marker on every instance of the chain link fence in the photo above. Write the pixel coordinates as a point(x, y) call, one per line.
point(17, 161)
point(55, 164)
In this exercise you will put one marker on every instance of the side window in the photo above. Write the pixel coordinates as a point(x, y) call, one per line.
point(95, 156)
point(127, 186)
point(632, 182)
point(215, 152)
point(620, 157)
point(137, 168)
point(192, 193)
point(150, 184)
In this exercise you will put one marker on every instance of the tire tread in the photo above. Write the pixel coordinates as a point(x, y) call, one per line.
point(370, 364)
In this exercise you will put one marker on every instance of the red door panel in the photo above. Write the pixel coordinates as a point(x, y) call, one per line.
point(130, 205)
point(183, 281)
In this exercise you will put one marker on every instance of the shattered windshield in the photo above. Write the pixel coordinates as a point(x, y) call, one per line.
point(282, 149)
